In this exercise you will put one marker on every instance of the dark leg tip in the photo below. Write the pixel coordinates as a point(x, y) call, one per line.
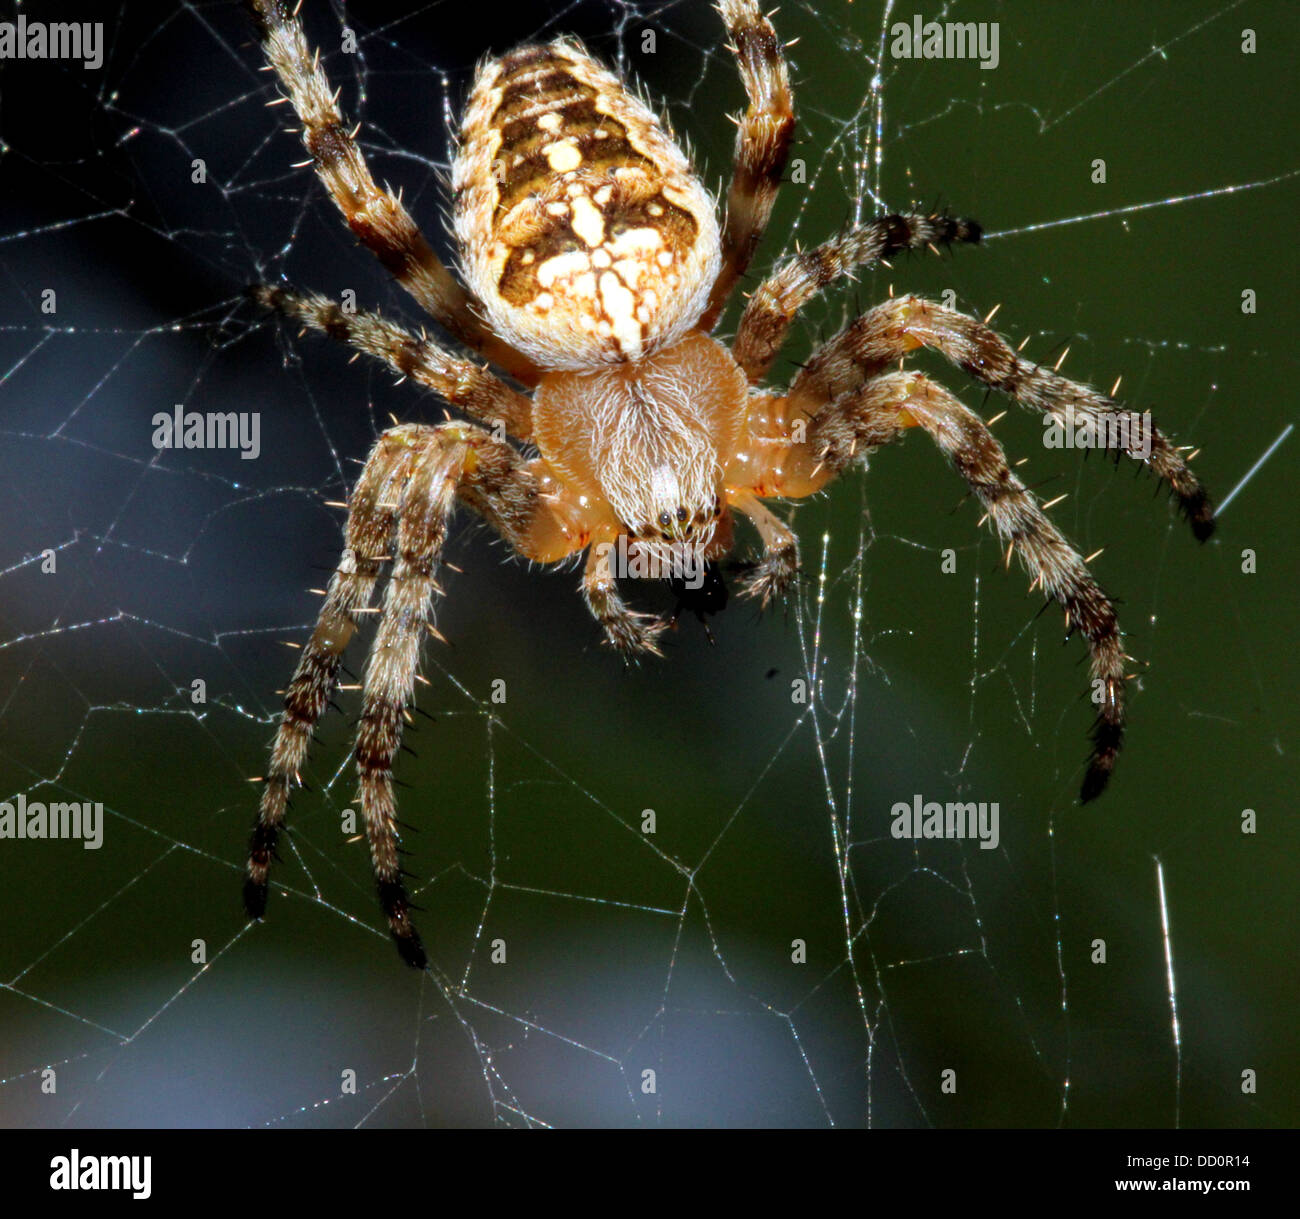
point(255, 899)
point(1199, 512)
point(411, 950)
point(261, 294)
point(396, 905)
point(958, 228)
point(1107, 737)
point(1094, 782)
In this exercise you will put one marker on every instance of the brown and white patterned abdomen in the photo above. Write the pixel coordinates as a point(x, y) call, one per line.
point(583, 230)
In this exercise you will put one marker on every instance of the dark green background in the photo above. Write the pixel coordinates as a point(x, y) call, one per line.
point(671, 955)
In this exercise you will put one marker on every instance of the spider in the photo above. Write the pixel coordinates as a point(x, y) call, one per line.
point(594, 269)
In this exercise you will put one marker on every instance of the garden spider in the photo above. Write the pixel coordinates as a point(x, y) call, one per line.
point(595, 269)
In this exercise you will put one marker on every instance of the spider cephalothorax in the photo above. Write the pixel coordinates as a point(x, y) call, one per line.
point(595, 270)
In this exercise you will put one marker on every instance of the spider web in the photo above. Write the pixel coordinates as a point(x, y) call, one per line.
point(650, 978)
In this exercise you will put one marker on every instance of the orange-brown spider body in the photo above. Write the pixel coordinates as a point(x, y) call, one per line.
point(593, 270)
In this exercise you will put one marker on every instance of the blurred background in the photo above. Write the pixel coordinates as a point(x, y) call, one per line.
point(668, 953)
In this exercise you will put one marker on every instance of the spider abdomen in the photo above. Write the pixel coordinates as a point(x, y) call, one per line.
point(583, 229)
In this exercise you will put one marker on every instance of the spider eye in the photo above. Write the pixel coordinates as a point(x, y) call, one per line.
point(665, 519)
point(681, 514)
